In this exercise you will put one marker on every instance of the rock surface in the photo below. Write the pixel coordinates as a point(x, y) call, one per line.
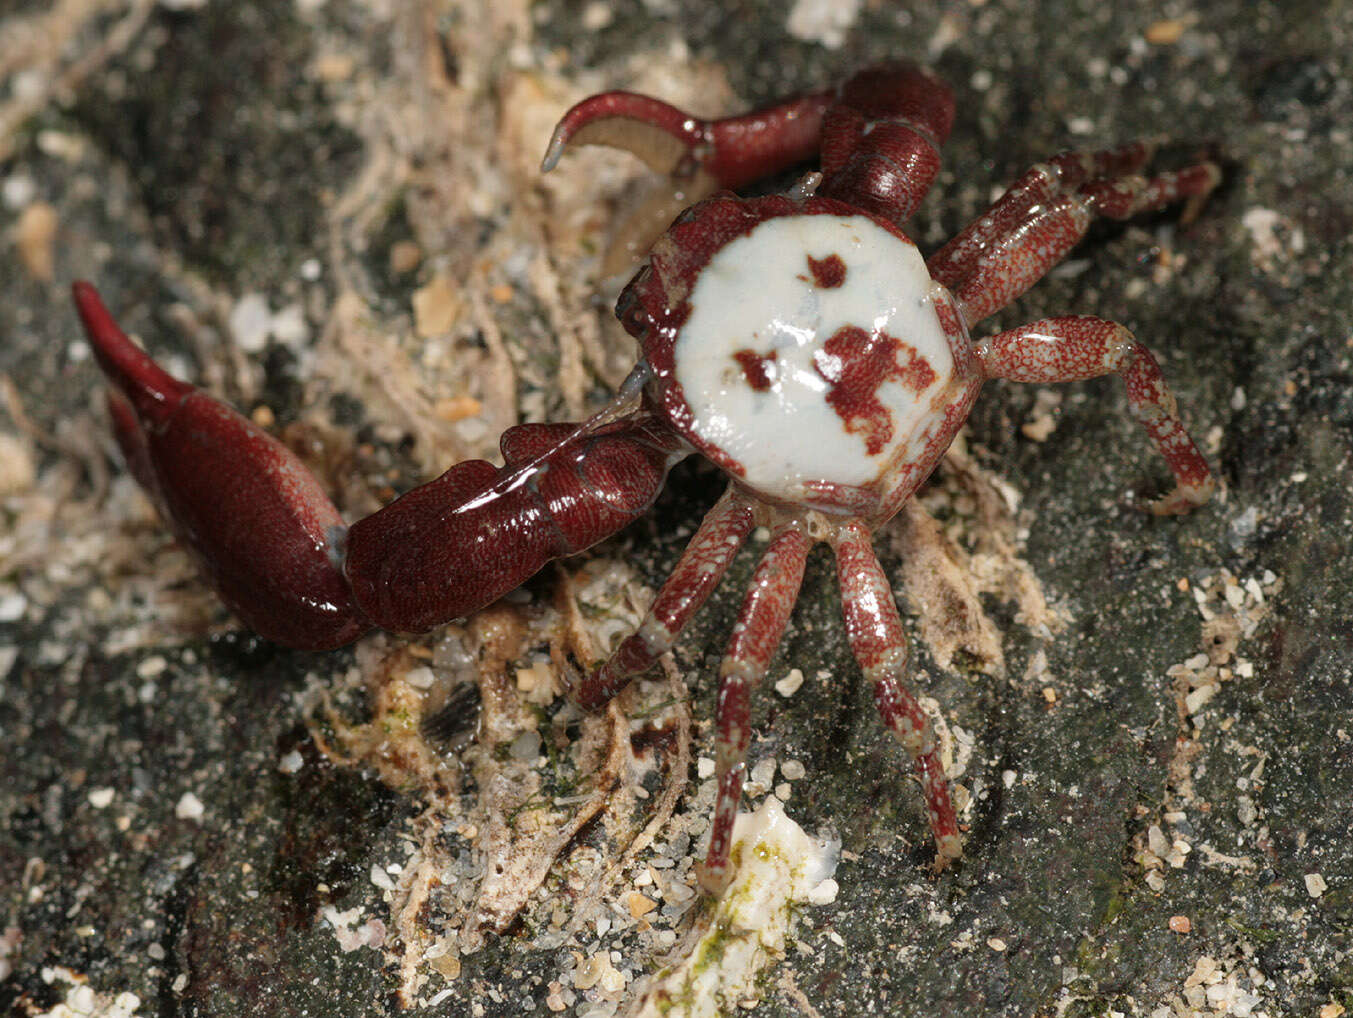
point(1161, 789)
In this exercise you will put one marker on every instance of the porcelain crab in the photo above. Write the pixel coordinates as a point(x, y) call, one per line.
point(800, 341)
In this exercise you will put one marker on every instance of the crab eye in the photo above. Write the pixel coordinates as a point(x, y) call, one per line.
point(629, 309)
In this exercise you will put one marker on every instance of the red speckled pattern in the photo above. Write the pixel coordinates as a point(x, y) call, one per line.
point(854, 363)
point(880, 646)
point(1034, 224)
point(697, 574)
point(827, 273)
point(761, 623)
point(757, 368)
point(1080, 346)
point(951, 409)
point(1035, 187)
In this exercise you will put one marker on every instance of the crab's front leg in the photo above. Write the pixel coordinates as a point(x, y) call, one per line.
point(445, 549)
point(261, 528)
point(879, 135)
point(728, 152)
point(698, 157)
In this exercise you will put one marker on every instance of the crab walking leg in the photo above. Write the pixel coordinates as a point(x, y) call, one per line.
point(1074, 347)
point(1020, 257)
point(880, 646)
point(1039, 184)
point(761, 623)
point(697, 573)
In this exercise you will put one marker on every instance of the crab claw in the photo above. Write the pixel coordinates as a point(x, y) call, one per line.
point(698, 157)
point(730, 152)
point(256, 520)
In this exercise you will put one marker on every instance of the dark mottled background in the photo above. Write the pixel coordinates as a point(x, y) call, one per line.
point(208, 148)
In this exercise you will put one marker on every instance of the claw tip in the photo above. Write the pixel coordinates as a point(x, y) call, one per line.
point(553, 151)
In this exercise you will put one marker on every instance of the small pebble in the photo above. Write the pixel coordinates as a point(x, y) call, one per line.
point(250, 322)
point(100, 798)
point(151, 667)
point(764, 771)
point(790, 684)
point(189, 807)
point(12, 607)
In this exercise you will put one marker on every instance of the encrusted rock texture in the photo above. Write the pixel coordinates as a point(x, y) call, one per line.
point(330, 213)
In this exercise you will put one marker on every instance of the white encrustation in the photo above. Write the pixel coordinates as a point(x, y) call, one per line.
point(750, 357)
point(780, 868)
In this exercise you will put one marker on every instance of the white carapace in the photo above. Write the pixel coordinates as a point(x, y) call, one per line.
point(755, 357)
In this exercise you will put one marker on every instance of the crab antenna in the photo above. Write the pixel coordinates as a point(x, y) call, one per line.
point(619, 406)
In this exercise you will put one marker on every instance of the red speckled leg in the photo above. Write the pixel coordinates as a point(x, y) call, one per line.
point(761, 623)
point(699, 571)
point(880, 646)
point(991, 271)
point(733, 150)
point(1039, 184)
point(1079, 346)
point(881, 141)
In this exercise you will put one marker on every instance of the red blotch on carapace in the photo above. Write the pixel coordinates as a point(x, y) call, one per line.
point(855, 363)
point(756, 368)
point(828, 273)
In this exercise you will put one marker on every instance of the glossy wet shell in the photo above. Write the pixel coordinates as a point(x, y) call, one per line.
point(812, 353)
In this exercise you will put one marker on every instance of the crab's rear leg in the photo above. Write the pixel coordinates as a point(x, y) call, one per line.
point(761, 622)
point(880, 646)
point(1075, 347)
point(697, 573)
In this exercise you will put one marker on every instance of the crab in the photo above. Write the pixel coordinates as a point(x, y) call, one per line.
point(799, 341)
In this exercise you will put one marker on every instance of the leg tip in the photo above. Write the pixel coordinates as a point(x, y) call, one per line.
point(948, 849)
point(1185, 498)
point(714, 877)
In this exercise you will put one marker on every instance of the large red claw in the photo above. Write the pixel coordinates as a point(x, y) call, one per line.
point(254, 517)
point(446, 549)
